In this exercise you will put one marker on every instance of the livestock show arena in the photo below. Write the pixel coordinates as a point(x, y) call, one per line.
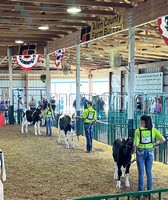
point(65, 57)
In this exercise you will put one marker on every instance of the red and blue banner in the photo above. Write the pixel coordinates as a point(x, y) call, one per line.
point(27, 62)
point(163, 27)
point(58, 55)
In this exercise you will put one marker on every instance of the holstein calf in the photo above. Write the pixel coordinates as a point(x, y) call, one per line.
point(122, 154)
point(66, 124)
point(3, 174)
point(32, 117)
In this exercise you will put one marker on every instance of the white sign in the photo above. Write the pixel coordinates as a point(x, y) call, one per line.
point(149, 83)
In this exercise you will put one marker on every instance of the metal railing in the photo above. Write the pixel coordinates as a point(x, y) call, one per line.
point(157, 194)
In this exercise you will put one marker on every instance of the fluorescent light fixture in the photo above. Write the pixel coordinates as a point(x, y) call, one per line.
point(44, 27)
point(19, 42)
point(73, 10)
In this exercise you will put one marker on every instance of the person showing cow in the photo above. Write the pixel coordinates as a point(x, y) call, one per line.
point(144, 143)
point(89, 117)
point(44, 104)
point(122, 154)
point(49, 115)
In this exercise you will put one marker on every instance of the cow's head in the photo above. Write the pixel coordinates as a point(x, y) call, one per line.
point(130, 143)
point(37, 114)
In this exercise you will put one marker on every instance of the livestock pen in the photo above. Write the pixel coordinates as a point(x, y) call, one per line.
point(39, 169)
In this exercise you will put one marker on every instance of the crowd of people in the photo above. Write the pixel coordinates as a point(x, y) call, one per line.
point(4, 107)
point(152, 105)
point(98, 105)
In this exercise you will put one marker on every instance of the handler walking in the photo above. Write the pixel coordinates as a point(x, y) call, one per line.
point(89, 117)
point(144, 142)
point(49, 114)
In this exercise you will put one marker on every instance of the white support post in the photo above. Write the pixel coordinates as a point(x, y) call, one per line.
point(48, 74)
point(78, 98)
point(90, 76)
point(9, 54)
point(77, 76)
point(11, 107)
point(131, 72)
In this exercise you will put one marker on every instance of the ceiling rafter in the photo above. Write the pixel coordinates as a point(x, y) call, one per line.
point(21, 21)
point(35, 27)
point(52, 9)
point(47, 17)
point(78, 2)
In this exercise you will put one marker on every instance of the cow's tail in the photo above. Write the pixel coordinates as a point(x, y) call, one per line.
point(114, 150)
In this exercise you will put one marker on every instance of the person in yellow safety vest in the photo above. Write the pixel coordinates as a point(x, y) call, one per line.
point(144, 143)
point(89, 117)
point(49, 115)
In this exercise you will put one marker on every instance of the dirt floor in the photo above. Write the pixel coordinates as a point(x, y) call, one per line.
point(38, 168)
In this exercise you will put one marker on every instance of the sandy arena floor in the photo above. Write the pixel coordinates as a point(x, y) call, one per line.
point(38, 168)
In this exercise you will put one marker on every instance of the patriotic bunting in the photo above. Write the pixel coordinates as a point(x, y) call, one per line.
point(27, 62)
point(163, 27)
point(59, 54)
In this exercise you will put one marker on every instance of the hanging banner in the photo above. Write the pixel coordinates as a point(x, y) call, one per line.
point(27, 62)
point(163, 27)
point(102, 28)
point(58, 56)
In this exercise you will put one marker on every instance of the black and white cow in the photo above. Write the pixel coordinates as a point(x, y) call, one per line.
point(66, 124)
point(33, 117)
point(2, 174)
point(122, 154)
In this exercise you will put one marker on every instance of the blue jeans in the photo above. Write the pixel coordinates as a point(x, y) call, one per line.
point(48, 126)
point(20, 116)
point(145, 159)
point(89, 135)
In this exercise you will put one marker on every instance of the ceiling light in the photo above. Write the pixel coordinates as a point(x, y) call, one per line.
point(19, 42)
point(74, 10)
point(44, 27)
